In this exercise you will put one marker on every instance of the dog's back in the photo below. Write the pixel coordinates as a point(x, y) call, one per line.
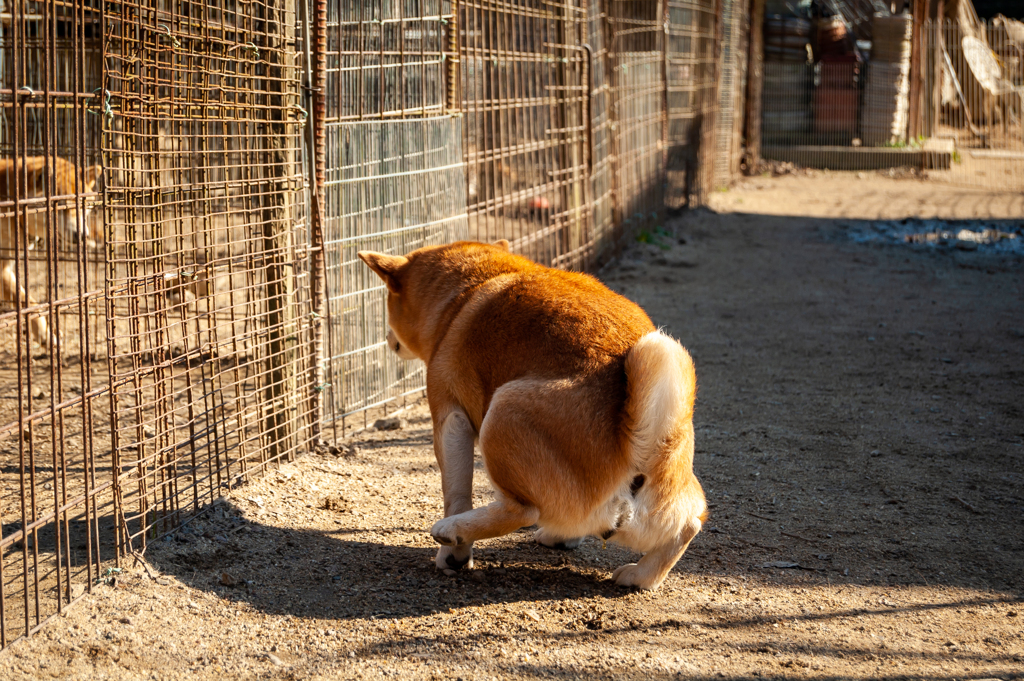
point(518, 320)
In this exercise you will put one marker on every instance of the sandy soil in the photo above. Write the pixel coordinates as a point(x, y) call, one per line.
point(860, 439)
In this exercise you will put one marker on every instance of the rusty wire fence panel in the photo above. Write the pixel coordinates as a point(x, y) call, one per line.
point(605, 217)
point(393, 180)
point(636, 33)
point(525, 99)
point(692, 71)
point(56, 501)
point(731, 86)
point(208, 313)
point(562, 111)
point(393, 187)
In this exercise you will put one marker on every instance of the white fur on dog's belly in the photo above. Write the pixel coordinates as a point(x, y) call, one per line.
point(598, 523)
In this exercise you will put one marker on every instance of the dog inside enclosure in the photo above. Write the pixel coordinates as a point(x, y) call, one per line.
point(38, 182)
point(582, 409)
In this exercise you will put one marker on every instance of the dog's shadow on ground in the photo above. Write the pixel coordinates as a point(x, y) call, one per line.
point(306, 573)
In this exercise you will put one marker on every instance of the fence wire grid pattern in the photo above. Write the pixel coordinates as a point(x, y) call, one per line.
point(188, 307)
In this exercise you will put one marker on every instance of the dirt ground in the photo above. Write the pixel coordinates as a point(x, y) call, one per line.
point(860, 439)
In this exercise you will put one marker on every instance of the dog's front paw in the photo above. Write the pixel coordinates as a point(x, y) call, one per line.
point(447, 532)
point(454, 557)
point(552, 541)
point(633, 574)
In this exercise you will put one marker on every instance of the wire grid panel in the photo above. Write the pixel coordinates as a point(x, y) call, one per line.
point(973, 97)
point(605, 218)
point(388, 58)
point(392, 187)
point(732, 73)
point(691, 84)
point(56, 500)
point(525, 94)
point(209, 337)
point(637, 34)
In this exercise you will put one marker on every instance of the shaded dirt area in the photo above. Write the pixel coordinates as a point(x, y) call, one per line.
point(861, 442)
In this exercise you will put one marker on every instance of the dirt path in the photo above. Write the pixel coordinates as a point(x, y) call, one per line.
point(860, 438)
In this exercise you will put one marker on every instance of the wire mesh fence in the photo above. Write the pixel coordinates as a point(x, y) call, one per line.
point(154, 348)
point(636, 33)
point(392, 186)
point(731, 91)
point(973, 98)
point(958, 114)
point(185, 186)
point(394, 181)
point(207, 295)
point(524, 75)
point(55, 489)
point(691, 81)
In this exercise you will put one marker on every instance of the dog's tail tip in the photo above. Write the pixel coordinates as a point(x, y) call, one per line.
point(662, 386)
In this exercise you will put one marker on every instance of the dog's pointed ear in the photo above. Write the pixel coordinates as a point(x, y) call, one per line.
point(502, 244)
point(387, 267)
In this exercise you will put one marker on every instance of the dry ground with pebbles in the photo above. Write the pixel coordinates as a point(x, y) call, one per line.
point(861, 441)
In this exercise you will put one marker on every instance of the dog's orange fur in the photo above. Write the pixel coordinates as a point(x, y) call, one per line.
point(583, 410)
point(29, 178)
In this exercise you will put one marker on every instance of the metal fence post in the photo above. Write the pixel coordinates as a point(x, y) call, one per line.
point(314, 40)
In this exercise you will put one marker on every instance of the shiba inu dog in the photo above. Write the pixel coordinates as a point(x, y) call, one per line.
point(583, 410)
point(28, 178)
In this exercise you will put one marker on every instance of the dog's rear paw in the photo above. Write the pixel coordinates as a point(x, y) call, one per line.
point(545, 538)
point(454, 558)
point(633, 574)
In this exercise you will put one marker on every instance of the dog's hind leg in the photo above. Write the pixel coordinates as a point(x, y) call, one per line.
point(453, 447)
point(650, 571)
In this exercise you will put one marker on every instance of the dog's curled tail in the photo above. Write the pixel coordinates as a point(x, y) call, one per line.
point(661, 385)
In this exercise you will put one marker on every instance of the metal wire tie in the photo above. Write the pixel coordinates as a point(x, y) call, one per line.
point(305, 114)
point(167, 30)
point(323, 387)
point(31, 92)
point(251, 47)
point(107, 110)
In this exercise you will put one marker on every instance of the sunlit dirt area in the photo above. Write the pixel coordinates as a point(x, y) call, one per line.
point(860, 438)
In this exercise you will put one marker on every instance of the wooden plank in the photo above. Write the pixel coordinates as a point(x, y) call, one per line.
point(740, 90)
point(859, 158)
point(755, 82)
